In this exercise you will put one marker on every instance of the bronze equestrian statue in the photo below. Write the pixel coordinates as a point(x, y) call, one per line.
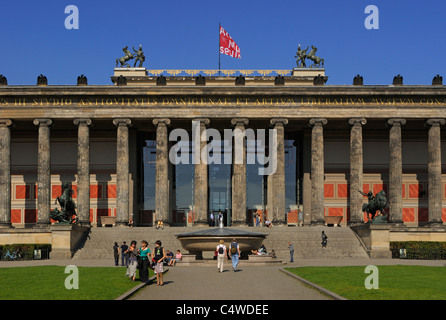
point(67, 214)
point(376, 203)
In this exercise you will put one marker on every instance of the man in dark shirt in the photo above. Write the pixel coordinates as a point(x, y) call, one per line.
point(291, 247)
point(124, 256)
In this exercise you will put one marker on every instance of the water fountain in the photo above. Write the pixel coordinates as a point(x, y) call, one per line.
point(207, 240)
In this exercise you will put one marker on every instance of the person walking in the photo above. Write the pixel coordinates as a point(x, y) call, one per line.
point(133, 253)
point(324, 239)
point(221, 255)
point(220, 220)
point(124, 256)
point(234, 249)
point(116, 253)
point(144, 254)
point(291, 247)
point(158, 257)
point(211, 220)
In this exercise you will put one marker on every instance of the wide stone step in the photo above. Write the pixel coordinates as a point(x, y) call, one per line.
point(342, 242)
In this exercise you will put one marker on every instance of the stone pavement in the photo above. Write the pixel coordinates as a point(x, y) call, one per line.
point(248, 283)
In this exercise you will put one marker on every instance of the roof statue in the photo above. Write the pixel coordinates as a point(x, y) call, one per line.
point(302, 55)
point(139, 55)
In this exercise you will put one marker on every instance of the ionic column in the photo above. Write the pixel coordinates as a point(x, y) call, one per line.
point(162, 171)
point(239, 172)
point(43, 173)
point(317, 170)
point(5, 173)
point(434, 172)
point(276, 181)
point(122, 171)
point(201, 172)
point(83, 170)
point(356, 169)
point(395, 171)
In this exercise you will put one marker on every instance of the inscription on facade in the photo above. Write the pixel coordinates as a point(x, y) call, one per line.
point(187, 101)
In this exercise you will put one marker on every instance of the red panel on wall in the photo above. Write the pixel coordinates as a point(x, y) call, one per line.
point(414, 190)
point(343, 190)
point(56, 191)
point(111, 191)
point(377, 187)
point(102, 212)
point(35, 191)
point(336, 212)
point(74, 195)
point(443, 214)
point(22, 191)
point(96, 191)
point(91, 215)
point(409, 214)
point(328, 190)
point(423, 214)
point(30, 215)
point(403, 191)
point(16, 216)
point(365, 188)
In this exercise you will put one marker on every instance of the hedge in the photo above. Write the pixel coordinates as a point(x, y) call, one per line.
point(425, 250)
point(26, 250)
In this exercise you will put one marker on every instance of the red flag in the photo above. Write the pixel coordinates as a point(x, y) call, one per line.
point(228, 45)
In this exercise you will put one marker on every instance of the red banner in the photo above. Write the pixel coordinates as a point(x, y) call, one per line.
point(228, 45)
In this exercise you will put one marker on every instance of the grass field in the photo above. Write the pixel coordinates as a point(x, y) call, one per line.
point(394, 282)
point(48, 283)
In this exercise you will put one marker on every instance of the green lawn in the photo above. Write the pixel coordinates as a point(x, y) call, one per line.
point(395, 282)
point(48, 283)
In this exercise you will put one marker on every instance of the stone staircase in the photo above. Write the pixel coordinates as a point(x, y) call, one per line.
point(342, 241)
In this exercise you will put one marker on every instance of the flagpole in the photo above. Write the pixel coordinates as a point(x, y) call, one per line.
point(219, 27)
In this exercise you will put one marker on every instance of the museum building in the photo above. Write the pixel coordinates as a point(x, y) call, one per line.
point(111, 145)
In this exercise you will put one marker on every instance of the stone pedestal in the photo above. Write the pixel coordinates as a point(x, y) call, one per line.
point(308, 72)
point(376, 238)
point(43, 173)
point(5, 173)
point(130, 72)
point(83, 170)
point(317, 171)
point(66, 239)
point(122, 171)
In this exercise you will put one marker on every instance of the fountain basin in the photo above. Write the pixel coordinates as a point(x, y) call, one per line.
point(207, 240)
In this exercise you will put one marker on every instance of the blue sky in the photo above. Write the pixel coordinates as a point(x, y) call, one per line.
point(184, 35)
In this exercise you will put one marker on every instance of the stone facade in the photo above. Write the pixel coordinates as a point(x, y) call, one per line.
point(323, 115)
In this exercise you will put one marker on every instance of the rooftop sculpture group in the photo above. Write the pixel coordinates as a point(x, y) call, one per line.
point(138, 56)
point(301, 55)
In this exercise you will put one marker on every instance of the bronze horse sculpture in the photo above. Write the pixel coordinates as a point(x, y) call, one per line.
point(376, 203)
point(123, 60)
point(67, 205)
point(312, 56)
